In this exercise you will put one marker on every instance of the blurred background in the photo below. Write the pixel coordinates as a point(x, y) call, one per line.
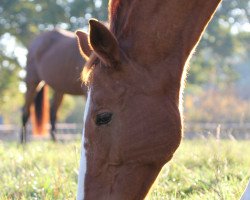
point(218, 82)
point(216, 102)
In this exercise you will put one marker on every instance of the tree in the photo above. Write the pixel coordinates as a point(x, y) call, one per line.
point(222, 46)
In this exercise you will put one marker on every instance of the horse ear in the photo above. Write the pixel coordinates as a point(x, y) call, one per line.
point(103, 43)
point(84, 47)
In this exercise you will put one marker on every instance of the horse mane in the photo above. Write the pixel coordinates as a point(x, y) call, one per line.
point(88, 68)
point(113, 7)
point(119, 13)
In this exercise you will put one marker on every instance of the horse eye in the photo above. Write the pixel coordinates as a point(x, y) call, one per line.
point(103, 118)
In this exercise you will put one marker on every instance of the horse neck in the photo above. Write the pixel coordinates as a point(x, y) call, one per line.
point(170, 40)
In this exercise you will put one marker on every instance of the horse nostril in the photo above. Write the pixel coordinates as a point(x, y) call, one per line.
point(103, 118)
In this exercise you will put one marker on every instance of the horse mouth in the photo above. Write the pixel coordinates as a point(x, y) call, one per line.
point(121, 181)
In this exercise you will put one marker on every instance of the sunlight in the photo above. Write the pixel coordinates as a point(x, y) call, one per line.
point(21, 54)
point(22, 87)
point(12, 47)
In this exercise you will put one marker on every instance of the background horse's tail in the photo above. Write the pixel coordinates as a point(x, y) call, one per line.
point(40, 112)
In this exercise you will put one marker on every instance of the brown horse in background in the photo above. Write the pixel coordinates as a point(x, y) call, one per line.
point(53, 59)
point(132, 119)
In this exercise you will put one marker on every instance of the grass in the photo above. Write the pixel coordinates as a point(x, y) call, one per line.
point(201, 169)
point(41, 170)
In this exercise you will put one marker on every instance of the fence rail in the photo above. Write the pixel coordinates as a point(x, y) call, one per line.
point(191, 130)
point(64, 131)
point(61, 127)
point(223, 131)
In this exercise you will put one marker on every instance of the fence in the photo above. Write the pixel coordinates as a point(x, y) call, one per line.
point(64, 131)
point(191, 130)
point(223, 131)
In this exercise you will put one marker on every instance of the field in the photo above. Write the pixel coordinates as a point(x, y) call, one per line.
point(201, 169)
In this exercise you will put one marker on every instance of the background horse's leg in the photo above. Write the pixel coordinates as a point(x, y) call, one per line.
point(55, 103)
point(29, 98)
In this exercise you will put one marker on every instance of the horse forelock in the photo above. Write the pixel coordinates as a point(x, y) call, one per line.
point(88, 68)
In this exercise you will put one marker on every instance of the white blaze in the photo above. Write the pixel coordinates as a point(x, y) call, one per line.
point(83, 161)
point(246, 195)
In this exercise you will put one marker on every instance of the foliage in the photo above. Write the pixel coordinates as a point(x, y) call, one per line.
point(221, 48)
point(76, 114)
point(216, 106)
point(26, 18)
point(72, 109)
point(201, 169)
point(9, 83)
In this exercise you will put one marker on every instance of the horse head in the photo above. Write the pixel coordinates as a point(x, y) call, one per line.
point(132, 121)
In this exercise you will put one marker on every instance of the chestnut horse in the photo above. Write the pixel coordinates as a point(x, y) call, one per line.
point(135, 76)
point(53, 59)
